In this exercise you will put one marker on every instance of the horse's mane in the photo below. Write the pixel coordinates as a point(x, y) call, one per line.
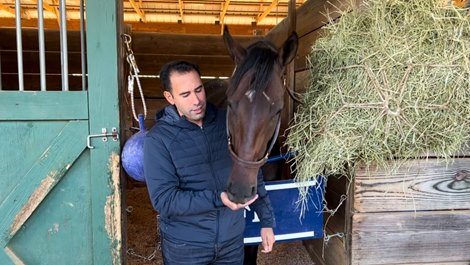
point(260, 58)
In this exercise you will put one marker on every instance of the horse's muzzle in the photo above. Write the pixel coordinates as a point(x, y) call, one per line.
point(240, 193)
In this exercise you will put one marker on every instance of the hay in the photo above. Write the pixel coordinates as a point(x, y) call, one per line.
point(388, 82)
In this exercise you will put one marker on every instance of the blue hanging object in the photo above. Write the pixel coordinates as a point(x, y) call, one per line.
point(133, 153)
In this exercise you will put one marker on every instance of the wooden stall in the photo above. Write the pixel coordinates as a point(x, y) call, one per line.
point(417, 215)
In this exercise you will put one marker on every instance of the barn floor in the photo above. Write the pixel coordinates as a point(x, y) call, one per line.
point(142, 248)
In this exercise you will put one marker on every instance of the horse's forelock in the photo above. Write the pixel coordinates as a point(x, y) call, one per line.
point(259, 62)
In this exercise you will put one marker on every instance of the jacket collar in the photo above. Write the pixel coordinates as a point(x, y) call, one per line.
point(170, 115)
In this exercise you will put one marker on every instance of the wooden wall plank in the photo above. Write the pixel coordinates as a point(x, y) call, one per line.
point(417, 185)
point(184, 44)
point(301, 81)
point(305, 48)
point(150, 64)
point(310, 17)
point(186, 28)
point(411, 237)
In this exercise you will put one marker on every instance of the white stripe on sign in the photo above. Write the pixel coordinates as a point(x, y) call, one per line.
point(257, 239)
point(290, 185)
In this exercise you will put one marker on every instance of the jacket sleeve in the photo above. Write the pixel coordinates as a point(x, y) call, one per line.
point(163, 184)
point(262, 205)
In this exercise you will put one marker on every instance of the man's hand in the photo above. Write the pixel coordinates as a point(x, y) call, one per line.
point(235, 206)
point(267, 237)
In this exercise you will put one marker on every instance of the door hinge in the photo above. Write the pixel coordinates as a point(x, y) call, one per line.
point(104, 136)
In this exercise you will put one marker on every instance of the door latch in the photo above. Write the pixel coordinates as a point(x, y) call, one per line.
point(104, 136)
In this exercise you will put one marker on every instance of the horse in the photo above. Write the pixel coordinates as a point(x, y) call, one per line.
point(216, 94)
point(255, 99)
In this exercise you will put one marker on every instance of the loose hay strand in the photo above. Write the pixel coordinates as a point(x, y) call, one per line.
point(388, 82)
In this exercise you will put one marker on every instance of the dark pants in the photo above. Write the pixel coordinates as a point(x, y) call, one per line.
point(182, 253)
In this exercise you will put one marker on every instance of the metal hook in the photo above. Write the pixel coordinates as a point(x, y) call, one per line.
point(127, 40)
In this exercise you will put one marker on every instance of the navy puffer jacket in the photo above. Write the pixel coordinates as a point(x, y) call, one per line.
point(186, 168)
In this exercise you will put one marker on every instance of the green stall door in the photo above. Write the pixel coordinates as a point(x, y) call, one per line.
point(60, 201)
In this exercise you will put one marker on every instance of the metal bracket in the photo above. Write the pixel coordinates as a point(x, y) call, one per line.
point(104, 134)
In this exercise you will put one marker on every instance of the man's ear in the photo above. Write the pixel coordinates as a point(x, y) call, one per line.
point(169, 97)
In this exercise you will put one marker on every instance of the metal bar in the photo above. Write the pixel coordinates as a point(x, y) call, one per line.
point(19, 45)
point(82, 44)
point(63, 45)
point(42, 50)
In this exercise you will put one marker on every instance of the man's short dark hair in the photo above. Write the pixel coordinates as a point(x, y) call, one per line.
point(179, 66)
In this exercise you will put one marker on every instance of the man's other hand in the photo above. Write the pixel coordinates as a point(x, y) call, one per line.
point(267, 236)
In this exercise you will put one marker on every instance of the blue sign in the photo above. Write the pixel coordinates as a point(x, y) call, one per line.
point(290, 226)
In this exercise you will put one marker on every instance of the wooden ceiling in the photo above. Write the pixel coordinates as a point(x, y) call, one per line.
point(245, 17)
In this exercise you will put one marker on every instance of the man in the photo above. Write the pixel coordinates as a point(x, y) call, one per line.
point(186, 165)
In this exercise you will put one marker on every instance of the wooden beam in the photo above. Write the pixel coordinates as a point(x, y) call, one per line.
point(180, 6)
point(7, 9)
point(12, 11)
point(162, 44)
point(47, 7)
point(52, 9)
point(222, 15)
point(224, 10)
point(56, 12)
point(137, 9)
point(184, 28)
point(267, 11)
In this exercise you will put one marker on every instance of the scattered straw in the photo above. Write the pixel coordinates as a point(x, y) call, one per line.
point(390, 81)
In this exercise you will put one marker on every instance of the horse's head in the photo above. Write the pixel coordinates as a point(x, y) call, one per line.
point(255, 99)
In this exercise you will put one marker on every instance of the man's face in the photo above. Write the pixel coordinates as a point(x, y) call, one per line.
point(187, 95)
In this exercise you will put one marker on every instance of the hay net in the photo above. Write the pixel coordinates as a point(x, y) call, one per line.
point(388, 82)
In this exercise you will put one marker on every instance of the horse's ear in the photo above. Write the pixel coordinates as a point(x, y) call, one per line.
point(236, 51)
point(289, 49)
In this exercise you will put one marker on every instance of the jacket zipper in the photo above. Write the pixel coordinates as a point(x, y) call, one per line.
point(217, 184)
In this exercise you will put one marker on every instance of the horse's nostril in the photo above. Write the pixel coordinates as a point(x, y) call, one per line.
point(253, 190)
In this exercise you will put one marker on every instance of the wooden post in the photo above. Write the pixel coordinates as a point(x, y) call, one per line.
point(103, 20)
point(288, 110)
